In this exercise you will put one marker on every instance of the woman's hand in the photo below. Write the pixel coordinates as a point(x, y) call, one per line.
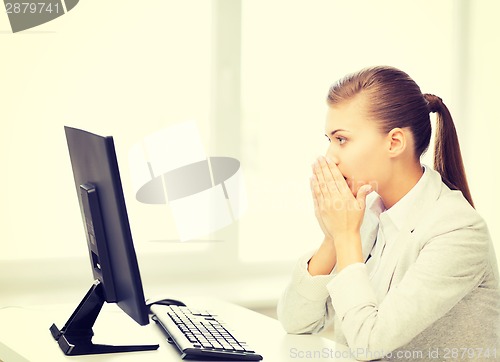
point(337, 210)
point(339, 213)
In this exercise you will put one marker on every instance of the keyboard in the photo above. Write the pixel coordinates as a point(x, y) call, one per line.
point(201, 335)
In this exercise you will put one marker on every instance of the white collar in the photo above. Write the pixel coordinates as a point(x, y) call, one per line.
point(399, 212)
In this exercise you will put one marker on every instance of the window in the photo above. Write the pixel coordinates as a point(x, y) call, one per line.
point(291, 53)
point(253, 74)
point(120, 69)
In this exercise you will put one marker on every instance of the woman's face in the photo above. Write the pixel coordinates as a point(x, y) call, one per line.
point(357, 147)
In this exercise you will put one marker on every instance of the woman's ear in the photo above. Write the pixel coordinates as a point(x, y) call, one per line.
point(397, 141)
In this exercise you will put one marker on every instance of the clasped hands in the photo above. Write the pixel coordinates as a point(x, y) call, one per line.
point(338, 212)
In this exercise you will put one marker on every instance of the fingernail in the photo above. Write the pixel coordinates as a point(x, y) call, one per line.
point(328, 160)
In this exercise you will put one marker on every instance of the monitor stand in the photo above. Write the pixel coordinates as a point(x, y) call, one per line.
point(75, 338)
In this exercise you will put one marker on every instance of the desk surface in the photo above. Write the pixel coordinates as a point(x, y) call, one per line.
point(25, 336)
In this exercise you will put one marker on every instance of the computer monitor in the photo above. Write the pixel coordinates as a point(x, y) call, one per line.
point(111, 250)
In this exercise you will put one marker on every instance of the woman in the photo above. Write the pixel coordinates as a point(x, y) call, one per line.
point(407, 271)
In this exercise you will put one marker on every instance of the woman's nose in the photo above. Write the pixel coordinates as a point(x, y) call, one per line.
point(332, 156)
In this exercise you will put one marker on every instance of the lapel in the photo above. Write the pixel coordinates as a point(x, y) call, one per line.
point(369, 227)
point(432, 190)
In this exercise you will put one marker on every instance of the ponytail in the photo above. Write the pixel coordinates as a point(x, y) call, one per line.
point(447, 156)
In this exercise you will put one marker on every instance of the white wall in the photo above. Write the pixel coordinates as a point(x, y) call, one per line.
point(482, 127)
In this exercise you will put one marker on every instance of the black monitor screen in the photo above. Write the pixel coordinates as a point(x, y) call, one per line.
point(97, 177)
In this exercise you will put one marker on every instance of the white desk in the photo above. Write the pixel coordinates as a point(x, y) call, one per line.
point(25, 335)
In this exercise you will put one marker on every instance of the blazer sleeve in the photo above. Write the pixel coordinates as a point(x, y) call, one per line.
point(304, 306)
point(448, 267)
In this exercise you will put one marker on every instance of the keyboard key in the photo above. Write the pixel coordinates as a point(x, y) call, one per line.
point(246, 347)
point(238, 348)
point(226, 345)
point(217, 345)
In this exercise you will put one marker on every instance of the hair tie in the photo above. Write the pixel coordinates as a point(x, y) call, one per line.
point(433, 102)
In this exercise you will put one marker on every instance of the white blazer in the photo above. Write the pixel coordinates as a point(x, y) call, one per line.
point(439, 290)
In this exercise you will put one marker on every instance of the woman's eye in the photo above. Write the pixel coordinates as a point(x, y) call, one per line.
point(341, 140)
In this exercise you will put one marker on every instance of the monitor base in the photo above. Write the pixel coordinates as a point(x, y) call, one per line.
point(75, 338)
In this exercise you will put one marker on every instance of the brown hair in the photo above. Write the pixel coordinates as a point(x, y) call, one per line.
point(395, 101)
